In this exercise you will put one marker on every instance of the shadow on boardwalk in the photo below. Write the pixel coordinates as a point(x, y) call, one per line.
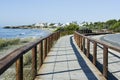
point(100, 67)
point(64, 62)
point(89, 74)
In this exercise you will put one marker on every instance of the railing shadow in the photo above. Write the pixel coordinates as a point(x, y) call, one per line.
point(83, 66)
point(57, 72)
point(99, 66)
point(59, 61)
point(89, 74)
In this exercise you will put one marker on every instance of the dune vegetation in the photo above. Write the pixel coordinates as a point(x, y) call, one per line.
point(7, 42)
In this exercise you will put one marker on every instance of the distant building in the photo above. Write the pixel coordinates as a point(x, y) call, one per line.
point(39, 25)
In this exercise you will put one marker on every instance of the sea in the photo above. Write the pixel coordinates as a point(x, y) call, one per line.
point(37, 33)
point(22, 33)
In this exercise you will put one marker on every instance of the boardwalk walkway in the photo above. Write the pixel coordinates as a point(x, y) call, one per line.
point(66, 62)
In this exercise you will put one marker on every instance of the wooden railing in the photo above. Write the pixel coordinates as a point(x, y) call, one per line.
point(43, 45)
point(84, 44)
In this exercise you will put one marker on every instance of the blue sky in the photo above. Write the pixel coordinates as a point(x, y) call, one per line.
point(20, 12)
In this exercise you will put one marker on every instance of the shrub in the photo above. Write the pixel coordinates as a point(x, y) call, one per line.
point(7, 42)
point(69, 29)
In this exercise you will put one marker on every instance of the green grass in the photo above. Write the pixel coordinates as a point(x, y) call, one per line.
point(7, 42)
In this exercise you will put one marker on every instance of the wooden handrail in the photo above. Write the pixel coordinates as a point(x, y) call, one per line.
point(80, 40)
point(100, 42)
point(17, 55)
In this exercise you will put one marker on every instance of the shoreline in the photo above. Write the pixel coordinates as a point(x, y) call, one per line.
point(6, 50)
point(24, 33)
point(23, 41)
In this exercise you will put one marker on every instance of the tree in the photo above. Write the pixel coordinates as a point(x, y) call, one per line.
point(110, 23)
point(72, 27)
point(98, 25)
point(116, 27)
point(52, 24)
point(60, 24)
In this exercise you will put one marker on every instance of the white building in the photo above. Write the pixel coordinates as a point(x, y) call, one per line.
point(39, 24)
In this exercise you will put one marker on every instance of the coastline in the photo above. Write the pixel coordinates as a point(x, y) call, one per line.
point(24, 33)
point(23, 41)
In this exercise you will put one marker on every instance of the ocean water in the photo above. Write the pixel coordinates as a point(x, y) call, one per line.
point(22, 33)
point(113, 38)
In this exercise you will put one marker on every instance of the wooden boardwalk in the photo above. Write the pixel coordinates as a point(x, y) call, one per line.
point(66, 62)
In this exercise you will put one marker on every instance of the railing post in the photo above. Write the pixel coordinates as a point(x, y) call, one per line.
point(19, 68)
point(51, 40)
point(77, 39)
point(40, 54)
point(83, 45)
point(34, 61)
point(81, 42)
point(48, 42)
point(94, 53)
point(105, 61)
point(88, 48)
point(45, 48)
point(57, 35)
